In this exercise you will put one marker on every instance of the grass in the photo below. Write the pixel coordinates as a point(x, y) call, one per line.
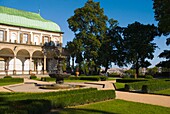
point(10, 81)
point(119, 86)
point(163, 92)
point(115, 107)
point(66, 80)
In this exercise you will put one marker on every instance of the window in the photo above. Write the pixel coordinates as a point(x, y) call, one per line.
point(56, 41)
point(13, 37)
point(25, 38)
point(36, 40)
point(1, 35)
point(45, 39)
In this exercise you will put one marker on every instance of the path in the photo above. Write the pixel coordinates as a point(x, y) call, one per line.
point(144, 98)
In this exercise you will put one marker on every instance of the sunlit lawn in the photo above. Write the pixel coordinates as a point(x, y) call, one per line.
point(116, 107)
point(119, 86)
point(8, 83)
point(164, 92)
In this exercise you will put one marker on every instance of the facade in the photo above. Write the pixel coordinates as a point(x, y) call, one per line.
point(22, 35)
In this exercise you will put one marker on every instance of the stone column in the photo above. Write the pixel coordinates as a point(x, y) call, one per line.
point(14, 70)
point(30, 65)
point(23, 67)
point(45, 65)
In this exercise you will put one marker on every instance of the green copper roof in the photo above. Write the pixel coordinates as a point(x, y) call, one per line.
point(21, 18)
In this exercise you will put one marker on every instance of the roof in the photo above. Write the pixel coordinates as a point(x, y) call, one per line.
point(21, 18)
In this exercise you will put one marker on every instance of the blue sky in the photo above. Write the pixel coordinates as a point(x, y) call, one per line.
point(125, 11)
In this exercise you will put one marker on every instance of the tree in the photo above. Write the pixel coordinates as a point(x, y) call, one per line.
point(162, 15)
point(138, 44)
point(89, 25)
point(75, 50)
point(111, 45)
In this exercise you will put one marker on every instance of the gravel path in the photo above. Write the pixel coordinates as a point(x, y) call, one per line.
point(144, 98)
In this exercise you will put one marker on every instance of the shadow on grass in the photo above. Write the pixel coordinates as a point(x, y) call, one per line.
point(79, 111)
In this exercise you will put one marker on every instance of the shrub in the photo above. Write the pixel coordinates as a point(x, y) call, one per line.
point(47, 79)
point(91, 78)
point(151, 87)
point(13, 80)
point(33, 77)
point(7, 76)
point(129, 80)
point(103, 78)
point(51, 99)
point(113, 75)
point(149, 77)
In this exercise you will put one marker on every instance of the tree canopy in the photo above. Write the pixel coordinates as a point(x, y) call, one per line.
point(89, 25)
point(138, 44)
point(162, 15)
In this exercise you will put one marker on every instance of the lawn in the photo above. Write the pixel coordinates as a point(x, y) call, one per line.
point(163, 92)
point(120, 86)
point(10, 81)
point(115, 107)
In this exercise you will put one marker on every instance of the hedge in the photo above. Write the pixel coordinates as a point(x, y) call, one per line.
point(32, 103)
point(150, 88)
point(7, 80)
point(129, 80)
point(90, 78)
point(137, 86)
point(30, 106)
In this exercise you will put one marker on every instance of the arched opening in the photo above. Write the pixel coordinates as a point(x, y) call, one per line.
point(38, 61)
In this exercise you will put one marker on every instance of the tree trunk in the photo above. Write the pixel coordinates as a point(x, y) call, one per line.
point(72, 64)
point(137, 69)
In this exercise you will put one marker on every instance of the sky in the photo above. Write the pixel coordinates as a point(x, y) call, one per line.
point(124, 11)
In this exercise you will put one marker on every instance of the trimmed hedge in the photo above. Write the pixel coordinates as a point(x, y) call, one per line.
point(129, 80)
point(33, 77)
point(7, 80)
point(30, 106)
point(7, 76)
point(32, 103)
point(157, 84)
point(150, 88)
point(90, 78)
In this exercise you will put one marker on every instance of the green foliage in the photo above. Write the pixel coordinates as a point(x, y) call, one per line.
point(152, 71)
point(89, 26)
point(163, 92)
point(28, 102)
point(148, 76)
point(8, 81)
point(33, 76)
point(129, 80)
point(7, 76)
point(116, 107)
point(48, 79)
point(113, 75)
point(26, 107)
point(152, 87)
point(138, 44)
point(161, 10)
point(92, 78)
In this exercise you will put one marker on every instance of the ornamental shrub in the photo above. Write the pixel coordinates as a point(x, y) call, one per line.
point(7, 76)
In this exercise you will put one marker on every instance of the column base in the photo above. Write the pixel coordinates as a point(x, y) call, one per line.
point(14, 72)
point(30, 72)
point(45, 72)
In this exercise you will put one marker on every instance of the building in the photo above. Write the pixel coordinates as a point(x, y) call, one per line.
point(22, 35)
